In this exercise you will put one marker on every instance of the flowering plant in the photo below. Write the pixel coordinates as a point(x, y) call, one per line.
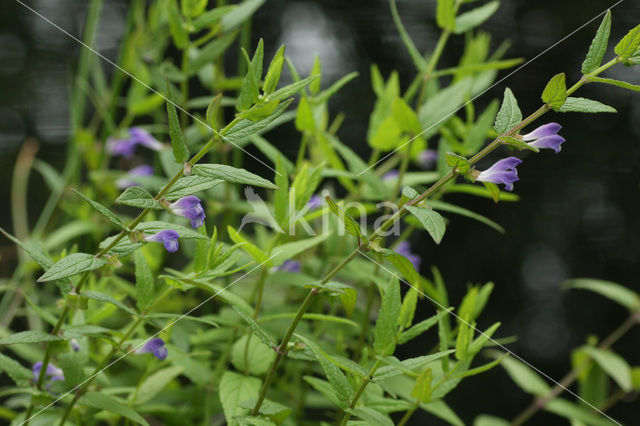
point(287, 307)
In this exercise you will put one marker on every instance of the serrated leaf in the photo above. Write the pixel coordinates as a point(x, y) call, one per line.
point(29, 337)
point(422, 389)
point(629, 44)
point(421, 327)
point(446, 14)
point(404, 266)
point(176, 25)
point(614, 365)
point(273, 73)
point(598, 46)
point(189, 185)
point(19, 374)
point(231, 174)
point(350, 224)
point(144, 281)
point(585, 105)
point(257, 329)
point(137, 196)
point(457, 162)
point(555, 93)
point(509, 115)
point(370, 416)
point(431, 220)
point(386, 331)
point(250, 89)
point(105, 212)
point(408, 309)
point(103, 401)
point(290, 90)
point(246, 128)
point(156, 382)
point(475, 17)
point(617, 83)
point(180, 150)
point(620, 294)
point(73, 264)
point(339, 382)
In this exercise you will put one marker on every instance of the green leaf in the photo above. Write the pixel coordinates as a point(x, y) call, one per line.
point(289, 250)
point(420, 327)
point(404, 266)
point(486, 420)
point(585, 105)
point(408, 366)
point(137, 196)
point(273, 73)
point(180, 150)
point(19, 374)
point(103, 401)
point(446, 14)
point(102, 297)
point(231, 174)
point(431, 220)
point(618, 83)
point(240, 14)
point(457, 162)
point(573, 411)
point(475, 17)
point(452, 208)
point(211, 17)
point(250, 90)
point(350, 224)
point(555, 94)
point(620, 294)
point(629, 44)
point(422, 389)
point(255, 358)
point(36, 253)
point(408, 309)
point(213, 112)
point(273, 410)
point(176, 25)
point(524, 376)
point(189, 185)
point(290, 90)
point(598, 46)
point(415, 54)
point(304, 117)
point(371, 416)
point(193, 8)
point(144, 281)
point(386, 332)
point(29, 337)
point(333, 89)
point(156, 382)
point(339, 382)
point(108, 214)
point(257, 329)
point(246, 128)
point(73, 264)
point(518, 143)
point(509, 115)
point(211, 52)
point(614, 365)
point(235, 388)
point(255, 252)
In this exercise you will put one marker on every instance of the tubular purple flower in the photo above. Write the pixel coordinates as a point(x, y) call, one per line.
point(74, 345)
point(427, 158)
point(53, 373)
point(190, 208)
point(127, 181)
point(545, 137)
point(126, 146)
point(168, 237)
point(404, 248)
point(315, 202)
point(156, 347)
point(503, 171)
point(289, 266)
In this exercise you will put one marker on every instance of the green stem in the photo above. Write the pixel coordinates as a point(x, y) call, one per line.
point(363, 386)
point(571, 377)
point(403, 421)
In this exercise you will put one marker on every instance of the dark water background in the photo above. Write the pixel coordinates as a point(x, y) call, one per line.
point(579, 214)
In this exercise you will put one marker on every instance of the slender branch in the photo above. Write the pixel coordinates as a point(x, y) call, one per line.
point(539, 403)
point(363, 386)
point(378, 233)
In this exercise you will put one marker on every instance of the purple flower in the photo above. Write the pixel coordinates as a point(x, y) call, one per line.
point(289, 266)
point(427, 158)
point(126, 146)
point(545, 136)
point(126, 181)
point(74, 345)
point(503, 171)
point(315, 202)
point(390, 175)
point(156, 347)
point(53, 373)
point(404, 249)
point(190, 208)
point(168, 237)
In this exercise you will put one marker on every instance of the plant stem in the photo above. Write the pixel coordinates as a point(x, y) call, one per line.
point(378, 233)
point(403, 421)
point(363, 386)
point(566, 381)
